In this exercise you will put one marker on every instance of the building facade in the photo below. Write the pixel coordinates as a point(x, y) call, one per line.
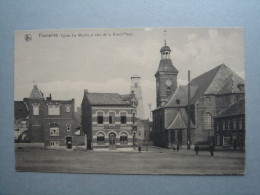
point(210, 93)
point(229, 127)
point(50, 122)
point(108, 121)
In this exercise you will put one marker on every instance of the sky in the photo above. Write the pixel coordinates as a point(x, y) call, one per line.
point(65, 62)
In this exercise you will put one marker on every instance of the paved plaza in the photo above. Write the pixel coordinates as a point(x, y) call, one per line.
point(153, 161)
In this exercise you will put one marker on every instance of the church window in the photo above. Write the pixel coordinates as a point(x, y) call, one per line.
point(207, 118)
point(123, 118)
point(123, 138)
point(100, 117)
point(35, 109)
point(111, 117)
point(100, 138)
point(53, 109)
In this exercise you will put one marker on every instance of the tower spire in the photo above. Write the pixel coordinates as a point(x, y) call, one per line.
point(164, 37)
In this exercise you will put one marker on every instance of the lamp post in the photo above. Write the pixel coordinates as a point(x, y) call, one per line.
point(188, 128)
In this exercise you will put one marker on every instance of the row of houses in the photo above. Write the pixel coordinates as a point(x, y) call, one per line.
point(105, 120)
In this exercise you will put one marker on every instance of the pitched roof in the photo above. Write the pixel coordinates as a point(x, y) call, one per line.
point(36, 93)
point(105, 99)
point(20, 110)
point(218, 80)
point(232, 85)
point(180, 94)
point(180, 121)
point(166, 66)
point(235, 109)
point(128, 97)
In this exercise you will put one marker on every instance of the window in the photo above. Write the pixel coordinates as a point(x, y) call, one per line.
point(54, 131)
point(100, 138)
point(234, 124)
point(35, 109)
point(111, 118)
point(207, 118)
point(226, 141)
point(136, 85)
point(100, 117)
point(139, 133)
point(53, 109)
point(217, 140)
point(240, 124)
point(133, 118)
point(54, 143)
point(228, 125)
point(68, 127)
point(123, 118)
point(123, 138)
point(223, 125)
point(67, 107)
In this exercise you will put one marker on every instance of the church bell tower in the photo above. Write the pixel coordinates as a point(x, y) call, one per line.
point(166, 76)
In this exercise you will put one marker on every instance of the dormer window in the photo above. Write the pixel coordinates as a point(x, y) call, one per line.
point(241, 87)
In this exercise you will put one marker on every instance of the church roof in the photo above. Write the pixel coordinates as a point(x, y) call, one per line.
point(166, 66)
point(181, 95)
point(128, 97)
point(235, 109)
point(20, 110)
point(105, 99)
point(180, 121)
point(36, 93)
point(218, 81)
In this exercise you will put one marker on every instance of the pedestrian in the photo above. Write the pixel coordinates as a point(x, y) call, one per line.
point(178, 146)
point(211, 149)
point(197, 148)
point(139, 149)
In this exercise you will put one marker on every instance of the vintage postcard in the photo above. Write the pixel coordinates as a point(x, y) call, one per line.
point(130, 101)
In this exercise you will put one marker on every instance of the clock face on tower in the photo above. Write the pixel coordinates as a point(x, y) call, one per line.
point(168, 82)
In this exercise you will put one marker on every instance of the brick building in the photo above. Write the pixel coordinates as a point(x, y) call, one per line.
point(108, 121)
point(21, 116)
point(50, 121)
point(229, 127)
point(210, 93)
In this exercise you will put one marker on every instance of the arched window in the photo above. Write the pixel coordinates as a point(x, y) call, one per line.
point(100, 138)
point(207, 119)
point(123, 138)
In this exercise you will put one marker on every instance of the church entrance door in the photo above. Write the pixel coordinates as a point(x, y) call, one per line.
point(112, 141)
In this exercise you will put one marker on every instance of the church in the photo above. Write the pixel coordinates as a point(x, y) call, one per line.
point(185, 114)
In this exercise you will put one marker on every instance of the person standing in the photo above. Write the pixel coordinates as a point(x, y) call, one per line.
point(139, 149)
point(211, 149)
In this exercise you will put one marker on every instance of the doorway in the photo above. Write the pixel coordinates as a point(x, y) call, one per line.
point(69, 142)
point(112, 141)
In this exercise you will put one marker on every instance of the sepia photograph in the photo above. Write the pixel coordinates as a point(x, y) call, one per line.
point(159, 101)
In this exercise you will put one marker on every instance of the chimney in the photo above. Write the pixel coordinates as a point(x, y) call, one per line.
point(85, 91)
